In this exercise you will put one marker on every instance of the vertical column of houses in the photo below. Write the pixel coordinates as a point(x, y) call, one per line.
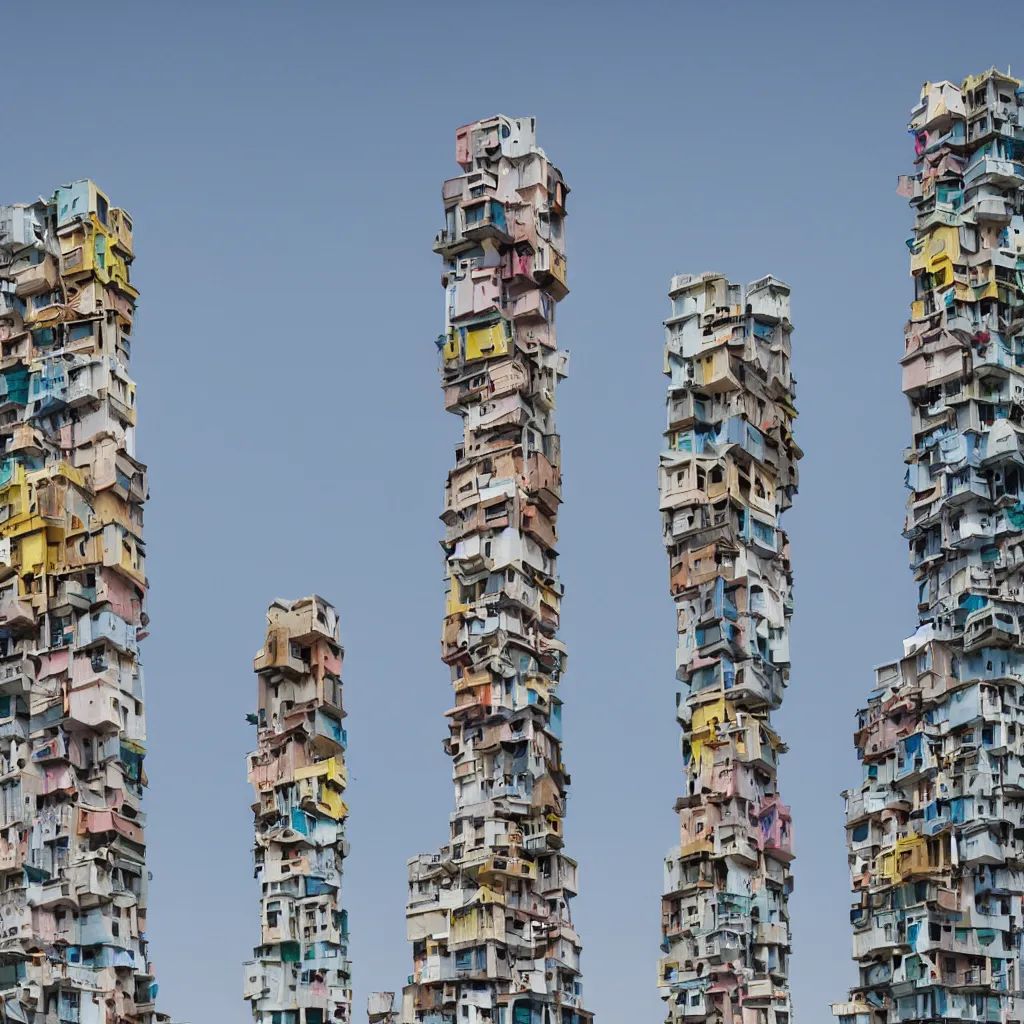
point(488, 916)
point(935, 826)
point(73, 876)
point(300, 973)
point(727, 473)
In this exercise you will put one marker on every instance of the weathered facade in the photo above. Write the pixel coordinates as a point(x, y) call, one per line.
point(300, 973)
point(727, 472)
point(73, 872)
point(935, 826)
point(488, 915)
point(380, 1008)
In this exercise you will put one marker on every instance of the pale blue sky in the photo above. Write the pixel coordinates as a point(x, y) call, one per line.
point(283, 164)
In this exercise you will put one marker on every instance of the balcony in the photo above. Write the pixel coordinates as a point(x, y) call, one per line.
point(17, 674)
point(994, 171)
point(48, 749)
point(499, 868)
point(95, 706)
point(17, 618)
point(73, 595)
point(112, 629)
point(485, 218)
point(82, 389)
point(539, 526)
point(971, 978)
point(980, 848)
point(37, 279)
point(121, 229)
point(722, 947)
point(329, 737)
point(449, 243)
point(564, 876)
point(771, 934)
point(991, 208)
point(549, 269)
point(544, 482)
point(281, 654)
point(532, 305)
point(732, 909)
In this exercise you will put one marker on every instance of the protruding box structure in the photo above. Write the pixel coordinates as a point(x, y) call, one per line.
point(934, 826)
point(73, 872)
point(301, 973)
point(380, 1008)
point(727, 472)
point(488, 915)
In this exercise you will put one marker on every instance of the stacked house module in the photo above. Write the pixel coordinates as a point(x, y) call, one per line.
point(727, 473)
point(300, 973)
point(488, 916)
point(73, 876)
point(935, 829)
point(380, 1008)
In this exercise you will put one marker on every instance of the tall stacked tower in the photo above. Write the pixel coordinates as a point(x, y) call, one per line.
point(727, 473)
point(488, 915)
point(301, 973)
point(73, 876)
point(935, 828)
